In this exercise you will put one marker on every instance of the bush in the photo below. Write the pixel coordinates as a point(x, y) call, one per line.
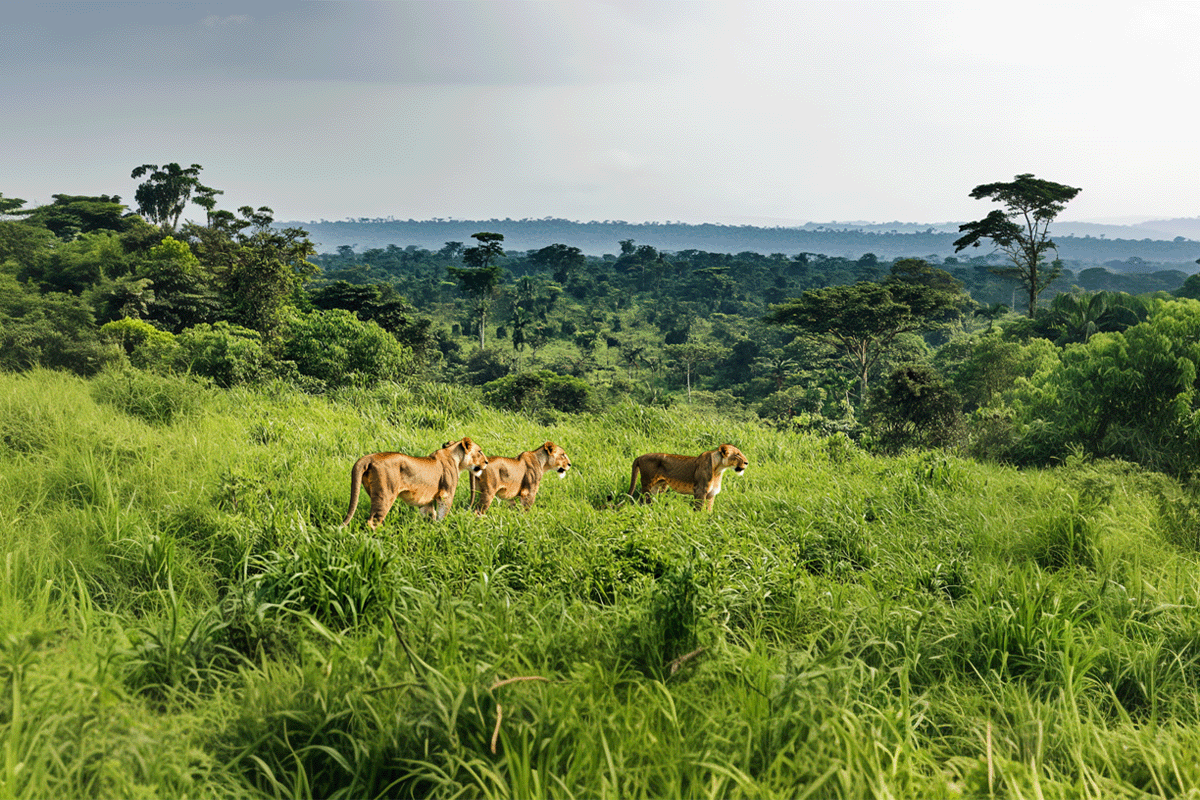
point(336, 348)
point(228, 354)
point(536, 391)
point(915, 408)
point(146, 346)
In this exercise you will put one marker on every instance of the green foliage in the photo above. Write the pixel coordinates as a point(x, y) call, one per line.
point(228, 354)
point(335, 348)
point(154, 398)
point(534, 391)
point(50, 330)
point(178, 615)
point(146, 346)
point(1130, 394)
point(71, 215)
point(915, 408)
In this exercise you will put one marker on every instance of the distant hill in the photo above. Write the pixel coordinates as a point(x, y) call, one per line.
point(1144, 245)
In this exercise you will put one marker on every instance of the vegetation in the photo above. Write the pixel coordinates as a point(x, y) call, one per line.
point(1021, 230)
point(181, 616)
point(972, 577)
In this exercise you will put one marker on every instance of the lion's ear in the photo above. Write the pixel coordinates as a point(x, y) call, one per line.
point(548, 446)
point(724, 450)
point(466, 442)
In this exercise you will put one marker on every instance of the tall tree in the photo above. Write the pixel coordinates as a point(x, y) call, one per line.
point(861, 321)
point(480, 279)
point(162, 197)
point(561, 258)
point(1021, 230)
point(259, 272)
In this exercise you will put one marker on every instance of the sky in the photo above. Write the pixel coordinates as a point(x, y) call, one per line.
point(743, 112)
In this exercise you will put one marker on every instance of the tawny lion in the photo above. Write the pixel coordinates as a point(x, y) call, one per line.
point(427, 482)
point(520, 477)
point(699, 476)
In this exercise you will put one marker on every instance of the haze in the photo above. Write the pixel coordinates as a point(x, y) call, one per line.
point(739, 112)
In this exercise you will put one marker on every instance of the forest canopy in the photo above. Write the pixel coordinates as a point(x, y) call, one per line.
point(893, 352)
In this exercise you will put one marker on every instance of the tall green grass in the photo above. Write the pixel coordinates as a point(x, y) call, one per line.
point(181, 616)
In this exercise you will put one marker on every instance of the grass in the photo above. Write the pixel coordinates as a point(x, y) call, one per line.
point(180, 615)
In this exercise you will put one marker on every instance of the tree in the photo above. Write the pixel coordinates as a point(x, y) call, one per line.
point(691, 354)
point(9, 205)
point(71, 215)
point(1078, 315)
point(164, 195)
point(1021, 230)
point(862, 321)
point(480, 279)
point(562, 259)
point(260, 272)
point(914, 407)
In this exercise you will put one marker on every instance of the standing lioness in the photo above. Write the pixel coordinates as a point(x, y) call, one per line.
point(699, 476)
point(510, 478)
point(428, 482)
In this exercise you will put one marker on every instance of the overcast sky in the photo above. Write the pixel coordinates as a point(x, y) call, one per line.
point(731, 112)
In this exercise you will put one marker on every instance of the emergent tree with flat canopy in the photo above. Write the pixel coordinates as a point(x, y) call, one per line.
point(1021, 230)
point(862, 321)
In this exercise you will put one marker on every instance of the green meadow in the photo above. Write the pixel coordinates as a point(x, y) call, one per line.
point(181, 616)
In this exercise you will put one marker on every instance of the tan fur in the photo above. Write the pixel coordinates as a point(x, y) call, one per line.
point(699, 476)
point(427, 482)
point(517, 478)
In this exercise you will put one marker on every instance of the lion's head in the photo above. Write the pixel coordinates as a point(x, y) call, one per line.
point(556, 459)
point(733, 458)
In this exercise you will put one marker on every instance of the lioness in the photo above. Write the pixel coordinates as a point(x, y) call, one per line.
point(428, 482)
point(699, 476)
point(512, 478)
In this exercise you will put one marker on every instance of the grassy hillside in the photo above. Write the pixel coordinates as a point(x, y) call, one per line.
point(180, 615)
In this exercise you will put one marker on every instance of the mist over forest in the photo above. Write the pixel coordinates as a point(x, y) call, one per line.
point(1129, 248)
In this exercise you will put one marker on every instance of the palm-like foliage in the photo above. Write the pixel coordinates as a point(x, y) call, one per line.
point(1080, 315)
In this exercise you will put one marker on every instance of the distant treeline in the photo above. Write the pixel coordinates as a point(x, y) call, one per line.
point(599, 238)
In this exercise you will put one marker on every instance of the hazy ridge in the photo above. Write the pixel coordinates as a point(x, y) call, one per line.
point(1154, 242)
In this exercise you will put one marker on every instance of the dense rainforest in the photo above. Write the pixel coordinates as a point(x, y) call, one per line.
point(957, 360)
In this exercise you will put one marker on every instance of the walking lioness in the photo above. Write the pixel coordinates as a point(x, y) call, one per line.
point(520, 477)
point(427, 482)
point(699, 476)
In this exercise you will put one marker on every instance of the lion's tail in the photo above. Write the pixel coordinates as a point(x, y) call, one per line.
point(633, 477)
point(356, 477)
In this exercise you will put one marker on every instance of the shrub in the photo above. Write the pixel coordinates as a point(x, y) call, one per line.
point(336, 348)
point(915, 408)
point(146, 346)
point(228, 354)
point(535, 391)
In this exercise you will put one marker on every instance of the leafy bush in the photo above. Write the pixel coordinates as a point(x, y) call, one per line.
point(228, 354)
point(534, 391)
point(915, 408)
point(336, 348)
point(146, 346)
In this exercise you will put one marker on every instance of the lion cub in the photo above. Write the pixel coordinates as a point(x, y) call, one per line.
point(513, 478)
point(699, 476)
point(427, 482)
